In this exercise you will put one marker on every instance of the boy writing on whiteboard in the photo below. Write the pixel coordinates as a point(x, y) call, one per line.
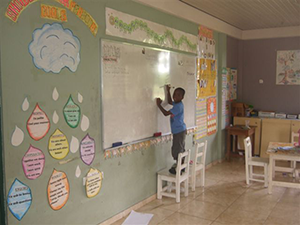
point(178, 127)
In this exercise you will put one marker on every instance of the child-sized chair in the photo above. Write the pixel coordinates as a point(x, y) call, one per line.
point(199, 164)
point(254, 161)
point(182, 175)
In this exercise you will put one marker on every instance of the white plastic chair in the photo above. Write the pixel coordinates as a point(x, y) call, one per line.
point(181, 176)
point(254, 161)
point(199, 164)
point(294, 140)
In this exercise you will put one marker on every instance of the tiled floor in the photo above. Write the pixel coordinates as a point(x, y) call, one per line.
point(226, 199)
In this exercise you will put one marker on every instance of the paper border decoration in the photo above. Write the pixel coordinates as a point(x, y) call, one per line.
point(136, 146)
point(58, 190)
point(288, 67)
point(211, 115)
point(134, 28)
point(19, 199)
point(201, 118)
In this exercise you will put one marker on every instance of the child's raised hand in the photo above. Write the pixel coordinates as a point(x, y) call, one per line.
point(158, 101)
point(168, 87)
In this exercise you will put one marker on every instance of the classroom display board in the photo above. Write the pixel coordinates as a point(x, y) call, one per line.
point(132, 78)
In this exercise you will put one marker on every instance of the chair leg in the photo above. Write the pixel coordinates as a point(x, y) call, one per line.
point(251, 172)
point(266, 175)
point(159, 187)
point(193, 181)
point(273, 169)
point(202, 183)
point(293, 165)
point(169, 184)
point(177, 191)
point(247, 174)
point(186, 187)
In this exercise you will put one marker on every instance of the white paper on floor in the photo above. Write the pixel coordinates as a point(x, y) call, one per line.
point(135, 218)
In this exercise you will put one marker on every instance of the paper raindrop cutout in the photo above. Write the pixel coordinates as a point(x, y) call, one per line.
point(55, 94)
point(17, 137)
point(54, 48)
point(58, 145)
point(85, 123)
point(25, 105)
point(78, 172)
point(93, 182)
point(80, 98)
point(74, 145)
point(33, 163)
point(19, 199)
point(58, 190)
point(87, 150)
point(38, 124)
point(55, 117)
point(72, 113)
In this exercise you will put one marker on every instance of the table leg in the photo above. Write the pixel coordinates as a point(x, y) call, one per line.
point(228, 146)
point(271, 161)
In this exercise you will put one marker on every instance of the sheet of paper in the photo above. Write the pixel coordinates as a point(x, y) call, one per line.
point(135, 218)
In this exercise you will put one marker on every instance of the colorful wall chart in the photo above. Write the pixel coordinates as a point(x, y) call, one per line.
point(72, 113)
point(54, 48)
point(288, 67)
point(211, 115)
point(130, 27)
point(93, 182)
point(207, 82)
point(201, 119)
point(58, 145)
point(229, 83)
point(206, 43)
point(38, 124)
point(58, 190)
point(87, 150)
point(19, 199)
point(33, 163)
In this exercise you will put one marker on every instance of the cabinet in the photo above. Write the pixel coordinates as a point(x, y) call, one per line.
point(268, 130)
point(255, 122)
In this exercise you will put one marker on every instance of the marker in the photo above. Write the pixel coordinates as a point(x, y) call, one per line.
point(117, 144)
point(164, 86)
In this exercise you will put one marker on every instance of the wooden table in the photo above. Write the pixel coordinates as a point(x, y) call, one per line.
point(275, 154)
point(239, 131)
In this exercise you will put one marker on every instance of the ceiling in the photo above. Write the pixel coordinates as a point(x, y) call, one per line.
point(251, 14)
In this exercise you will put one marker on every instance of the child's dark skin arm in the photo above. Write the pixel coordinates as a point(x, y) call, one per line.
point(165, 112)
point(168, 87)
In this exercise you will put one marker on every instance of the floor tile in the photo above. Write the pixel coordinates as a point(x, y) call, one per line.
point(181, 218)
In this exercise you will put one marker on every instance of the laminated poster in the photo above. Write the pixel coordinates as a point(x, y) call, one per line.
point(58, 145)
point(38, 124)
point(211, 115)
point(33, 163)
point(19, 199)
point(93, 182)
point(58, 190)
point(72, 113)
point(201, 119)
point(207, 82)
point(87, 150)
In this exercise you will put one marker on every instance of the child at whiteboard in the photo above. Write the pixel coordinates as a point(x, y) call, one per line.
point(178, 127)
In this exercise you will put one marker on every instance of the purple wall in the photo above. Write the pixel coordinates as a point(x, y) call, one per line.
point(256, 59)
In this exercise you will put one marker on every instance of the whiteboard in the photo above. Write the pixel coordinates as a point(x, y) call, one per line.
point(132, 78)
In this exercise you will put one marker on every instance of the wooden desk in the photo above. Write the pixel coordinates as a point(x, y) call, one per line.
point(239, 131)
point(275, 154)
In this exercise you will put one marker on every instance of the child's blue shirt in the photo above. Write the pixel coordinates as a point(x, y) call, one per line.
point(177, 123)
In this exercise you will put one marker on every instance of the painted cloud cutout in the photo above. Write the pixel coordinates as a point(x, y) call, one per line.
point(54, 48)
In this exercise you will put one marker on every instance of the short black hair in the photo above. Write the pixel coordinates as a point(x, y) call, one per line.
point(182, 91)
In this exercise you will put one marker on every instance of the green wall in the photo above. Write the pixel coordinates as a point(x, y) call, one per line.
point(128, 179)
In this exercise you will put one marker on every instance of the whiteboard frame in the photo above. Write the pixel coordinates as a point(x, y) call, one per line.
point(101, 91)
